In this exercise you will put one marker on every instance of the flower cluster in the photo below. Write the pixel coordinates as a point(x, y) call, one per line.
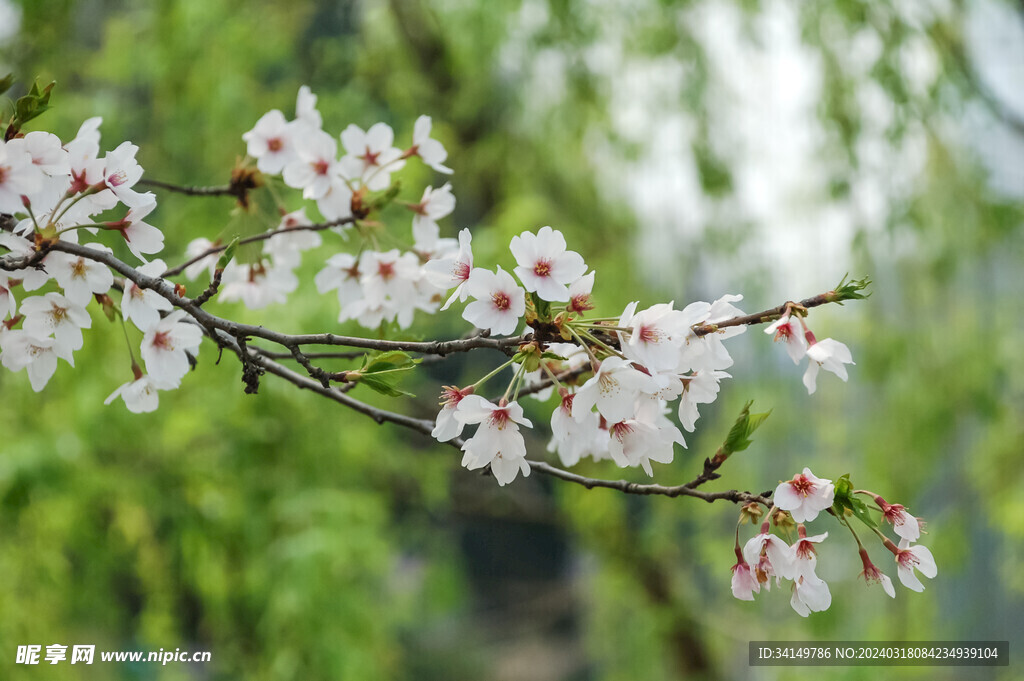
point(827, 354)
point(640, 361)
point(800, 500)
point(57, 189)
point(375, 286)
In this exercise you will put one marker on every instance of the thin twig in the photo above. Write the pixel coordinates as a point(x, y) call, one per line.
point(220, 190)
point(213, 250)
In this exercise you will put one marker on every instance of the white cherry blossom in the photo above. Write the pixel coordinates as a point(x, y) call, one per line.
point(142, 306)
point(829, 355)
point(270, 142)
point(166, 345)
point(207, 264)
point(779, 554)
point(435, 205)
point(79, 276)
point(140, 395)
point(8, 303)
point(120, 173)
point(371, 156)
point(497, 441)
point(805, 496)
point(140, 236)
point(613, 390)
point(810, 594)
point(21, 350)
point(430, 150)
point(910, 558)
point(18, 177)
point(499, 304)
point(903, 524)
point(46, 152)
point(788, 330)
point(446, 426)
point(453, 270)
point(544, 264)
point(315, 169)
point(744, 580)
point(54, 314)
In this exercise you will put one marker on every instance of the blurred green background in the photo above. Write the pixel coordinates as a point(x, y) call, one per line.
point(687, 150)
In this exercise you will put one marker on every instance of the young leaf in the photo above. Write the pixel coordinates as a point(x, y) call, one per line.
point(739, 435)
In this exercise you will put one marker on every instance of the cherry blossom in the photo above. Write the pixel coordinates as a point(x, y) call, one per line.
point(572, 438)
point(810, 594)
point(306, 113)
point(544, 264)
point(699, 388)
point(453, 270)
point(579, 294)
point(370, 155)
point(140, 236)
point(270, 142)
point(78, 276)
point(257, 285)
point(195, 248)
point(903, 524)
point(787, 329)
point(142, 306)
point(435, 205)
point(120, 173)
point(430, 150)
point(315, 170)
point(21, 350)
point(446, 426)
point(805, 496)
point(46, 152)
point(744, 579)
point(341, 272)
point(31, 278)
point(910, 558)
point(287, 245)
point(54, 314)
point(826, 354)
point(637, 443)
point(499, 304)
point(613, 390)
point(656, 335)
point(8, 304)
point(872, 574)
point(778, 554)
point(804, 553)
point(140, 395)
point(497, 441)
point(166, 345)
point(18, 176)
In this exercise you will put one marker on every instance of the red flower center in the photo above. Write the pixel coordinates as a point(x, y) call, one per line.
point(802, 486)
point(275, 144)
point(162, 340)
point(649, 334)
point(542, 268)
point(386, 270)
point(321, 167)
point(499, 418)
point(501, 301)
point(370, 157)
point(461, 271)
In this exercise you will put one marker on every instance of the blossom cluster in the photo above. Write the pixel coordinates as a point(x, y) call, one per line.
point(800, 500)
point(828, 354)
point(375, 286)
point(57, 190)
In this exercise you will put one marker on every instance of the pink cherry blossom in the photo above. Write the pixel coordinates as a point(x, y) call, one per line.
point(805, 496)
point(499, 304)
point(744, 580)
point(544, 264)
point(779, 554)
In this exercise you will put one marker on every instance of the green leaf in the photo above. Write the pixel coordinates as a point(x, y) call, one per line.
point(382, 372)
point(542, 307)
point(739, 435)
point(6, 82)
point(227, 255)
point(845, 500)
point(384, 384)
point(850, 290)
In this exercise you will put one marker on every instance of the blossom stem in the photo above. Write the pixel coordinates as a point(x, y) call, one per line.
point(584, 345)
point(603, 346)
point(492, 374)
point(517, 380)
point(551, 374)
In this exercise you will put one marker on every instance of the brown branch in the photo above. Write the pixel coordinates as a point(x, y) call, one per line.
point(213, 250)
point(766, 316)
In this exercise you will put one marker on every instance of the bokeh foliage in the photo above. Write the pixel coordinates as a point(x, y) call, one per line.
point(294, 539)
